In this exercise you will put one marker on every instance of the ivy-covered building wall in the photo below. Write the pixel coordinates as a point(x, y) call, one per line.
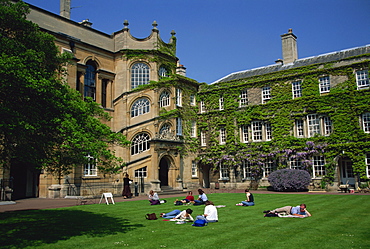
point(312, 114)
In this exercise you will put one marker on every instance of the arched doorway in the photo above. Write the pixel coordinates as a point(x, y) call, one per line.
point(164, 166)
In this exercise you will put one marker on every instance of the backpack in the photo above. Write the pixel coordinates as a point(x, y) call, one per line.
point(271, 215)
point(200, 223)
point(151, 216)
point(178, 203)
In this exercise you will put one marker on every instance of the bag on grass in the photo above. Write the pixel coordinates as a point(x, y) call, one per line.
point(178, 203)
point(162, 201)
point(151, 216)
point(271, 215)
point(200, 223)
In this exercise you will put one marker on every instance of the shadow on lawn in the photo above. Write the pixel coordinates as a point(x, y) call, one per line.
point(36, 227)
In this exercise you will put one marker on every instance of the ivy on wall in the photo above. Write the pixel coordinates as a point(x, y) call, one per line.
point(344, 105)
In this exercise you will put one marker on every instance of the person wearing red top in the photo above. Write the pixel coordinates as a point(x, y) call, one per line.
point(188, 198)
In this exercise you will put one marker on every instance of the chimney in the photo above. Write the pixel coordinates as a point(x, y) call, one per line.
point(65, 8)
point(289, 46)
point(180, 69)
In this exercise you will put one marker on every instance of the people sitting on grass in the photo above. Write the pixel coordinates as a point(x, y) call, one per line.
point(189, 199)
point(177, 214)
point(202, 198)
point(249, 199)
point(299, 211)
point(210, 213)
point(153, 198)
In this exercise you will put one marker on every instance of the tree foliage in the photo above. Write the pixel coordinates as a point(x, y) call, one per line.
point(43, 121)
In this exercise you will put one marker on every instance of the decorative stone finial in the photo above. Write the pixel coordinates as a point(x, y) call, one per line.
point(125, 24)
point(154, 24)
point(290, 31)
point(173, 33)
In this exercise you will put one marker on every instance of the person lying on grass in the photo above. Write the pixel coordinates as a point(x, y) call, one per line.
point(299, 211)
point(177, 214)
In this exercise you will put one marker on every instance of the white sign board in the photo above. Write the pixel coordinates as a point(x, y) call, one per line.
point(106, 196)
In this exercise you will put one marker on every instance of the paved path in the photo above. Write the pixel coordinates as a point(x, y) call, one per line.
point(47, 203)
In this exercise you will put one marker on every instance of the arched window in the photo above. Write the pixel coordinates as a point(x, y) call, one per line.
point(90, 84)
point(162, 72)
point(140, 107)
point(139, 75)
point(140, 143)
point(164, 99)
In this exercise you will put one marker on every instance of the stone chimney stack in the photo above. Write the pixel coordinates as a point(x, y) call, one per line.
point(289, 46)
point(65, 8)
point(180, 69)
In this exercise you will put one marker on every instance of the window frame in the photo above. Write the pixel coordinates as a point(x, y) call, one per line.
point(178, 97)
point(324, 84)
point(224, 172)
point(362, 79)
point(266, 94)
point(203, 141)
point(365, 122)
point(142, 145)
point(223, 135)
point(140, 74)
point(243, 102)
point(90, 169)
point(297, 89)
point(139, 108)
point(221, 103)
point(164, 99)
point(244, 134)
point(194, 169)
point(143, 171)
point(318, 166)
point(257, 134)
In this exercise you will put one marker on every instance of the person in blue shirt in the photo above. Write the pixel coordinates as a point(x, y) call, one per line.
point(300, 210)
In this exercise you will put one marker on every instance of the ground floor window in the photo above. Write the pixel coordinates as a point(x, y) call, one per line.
point(318, 167)
point(194, 169)
point(90, 167)
point(141, 173)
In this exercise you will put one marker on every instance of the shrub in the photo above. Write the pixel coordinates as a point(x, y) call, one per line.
point(289, 180)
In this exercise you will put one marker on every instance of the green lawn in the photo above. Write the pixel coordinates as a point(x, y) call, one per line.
point(338, 221)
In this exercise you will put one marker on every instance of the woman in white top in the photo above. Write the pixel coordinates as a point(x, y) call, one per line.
point(153, 198)
point(210, 213)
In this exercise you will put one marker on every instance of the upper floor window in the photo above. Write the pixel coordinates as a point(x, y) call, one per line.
point(362, 79)
point(224, 172)
point(139, 75)
point(142, 172)
point(90, 80)
point(324, 84)
point(164, 99)
point(256, 131)
point(179, 126)
point(221, 103)
point(268, 132)
point(244, 133)
point(366, 122)
point(328, 126)
point(299, 128)
point(202, 107)
point(222, 136)
point(178, 97)
point(192, 99)
point(193, 129)
point(318, 166)
point(243, 98)
point(90, 167)
point(162, 72)
point(266, 94)
point(203, 138)
point(194, 169)
point(140, 143)
point(313, 125)
point(140, 107)
point(296, 89)
point(104, 90)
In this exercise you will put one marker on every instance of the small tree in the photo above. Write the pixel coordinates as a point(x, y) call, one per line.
point(289, 180)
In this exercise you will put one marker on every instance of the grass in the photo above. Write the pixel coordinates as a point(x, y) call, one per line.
point(338, 221)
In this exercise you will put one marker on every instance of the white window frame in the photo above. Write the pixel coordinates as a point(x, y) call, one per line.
point(365, 121)
point(178, 97)
point(222, 136)
point(243, 98)
point(247, 172)
point(90, 167)
point(140, 143)
point(178, 126)
point(193, 129)
point(224, 172)
point(297, 89)
point(268, 167)
point(194, 169)
point(221, 103)
point(244, 134)
point(203, 141)
point(192, 100)
point(142, 172)
point(318, 166)
point(362, 79)
point(324, 84)
point(299, 127)
point(313, 123)
point(295, 163)
point(328, 126)
point(266, 94)
point(162, 72)
point(164, 99)
point(140, 107)
point(140, 74)
point(202, 107)
point(268, 131)
point(257, 128)
point(367, 161)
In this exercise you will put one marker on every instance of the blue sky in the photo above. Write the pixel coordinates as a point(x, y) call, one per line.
point(219, 37)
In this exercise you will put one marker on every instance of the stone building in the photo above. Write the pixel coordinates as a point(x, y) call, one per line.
point(310, 113)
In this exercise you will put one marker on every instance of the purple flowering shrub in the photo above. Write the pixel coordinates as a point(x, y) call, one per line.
point(289, 180)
